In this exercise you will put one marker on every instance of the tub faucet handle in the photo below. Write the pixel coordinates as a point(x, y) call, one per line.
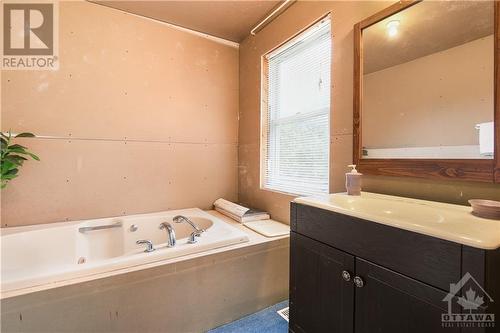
point(192, 237)
point(148, 243)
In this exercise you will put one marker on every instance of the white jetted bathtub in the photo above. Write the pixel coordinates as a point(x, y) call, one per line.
point(50, 253)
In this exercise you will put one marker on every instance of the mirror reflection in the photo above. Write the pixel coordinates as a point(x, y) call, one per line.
point(428, 82)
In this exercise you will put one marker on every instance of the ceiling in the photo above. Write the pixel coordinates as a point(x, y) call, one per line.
point(231, 20)
point(425, 28)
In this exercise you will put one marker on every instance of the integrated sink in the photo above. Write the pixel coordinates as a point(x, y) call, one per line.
point(446, 221)
point(386, 208)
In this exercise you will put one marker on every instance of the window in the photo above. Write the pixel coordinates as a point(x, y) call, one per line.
point(296, 114)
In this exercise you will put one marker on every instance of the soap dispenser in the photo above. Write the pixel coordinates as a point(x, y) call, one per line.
point(353, 181)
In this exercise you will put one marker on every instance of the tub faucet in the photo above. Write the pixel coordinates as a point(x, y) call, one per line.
point(170, 233)
point(197, 230)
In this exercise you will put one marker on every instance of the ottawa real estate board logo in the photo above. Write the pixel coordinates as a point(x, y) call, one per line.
point(30, 35)
point(473, 302)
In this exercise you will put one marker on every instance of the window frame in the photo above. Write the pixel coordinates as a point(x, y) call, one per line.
point(264, 102)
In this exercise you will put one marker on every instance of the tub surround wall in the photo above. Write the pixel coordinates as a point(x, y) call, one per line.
point(344, 15)
point(133, 127)
point(145, 118)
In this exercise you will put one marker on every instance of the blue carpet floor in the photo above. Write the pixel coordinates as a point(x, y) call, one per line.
point(264, 321)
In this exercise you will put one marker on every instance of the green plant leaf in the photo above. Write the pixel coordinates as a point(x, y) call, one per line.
point(33, 156)
point(11, 174)
point(25, 135)
point(7, 166)
point(24, 152)
point(16, 146)
point(16, 159)
point(17, 151)
point(11, 160)
point(8, 177)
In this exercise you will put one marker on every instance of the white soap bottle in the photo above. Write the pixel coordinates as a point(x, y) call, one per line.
point(353, 181)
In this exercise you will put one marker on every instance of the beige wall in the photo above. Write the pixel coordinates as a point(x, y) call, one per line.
point(344, 16)
point(146, 115)
point(451, 89)
point(148, 119)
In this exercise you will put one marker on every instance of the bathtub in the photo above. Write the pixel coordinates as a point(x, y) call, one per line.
point(46, 254)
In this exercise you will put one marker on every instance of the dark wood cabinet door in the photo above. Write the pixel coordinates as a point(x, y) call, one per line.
point(321, 300)
point(389, 302)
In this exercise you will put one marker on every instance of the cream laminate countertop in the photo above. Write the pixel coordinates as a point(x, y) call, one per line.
point(446, 221)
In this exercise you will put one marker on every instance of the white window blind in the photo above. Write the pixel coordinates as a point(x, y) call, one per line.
point(296, 117)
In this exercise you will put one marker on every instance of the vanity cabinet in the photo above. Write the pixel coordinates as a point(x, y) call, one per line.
point(391, 302)
point(353, 275)
point(325, 298)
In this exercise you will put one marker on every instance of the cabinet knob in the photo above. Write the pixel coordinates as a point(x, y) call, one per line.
point(346, 276)
point(358, 282)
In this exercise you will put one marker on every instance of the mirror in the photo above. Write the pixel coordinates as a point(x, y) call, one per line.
point(428, 82)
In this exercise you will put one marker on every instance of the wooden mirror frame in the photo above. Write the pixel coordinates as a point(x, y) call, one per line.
point(479, 170)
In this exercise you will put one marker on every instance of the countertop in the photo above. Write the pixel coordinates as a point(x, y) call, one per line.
point(441, 220)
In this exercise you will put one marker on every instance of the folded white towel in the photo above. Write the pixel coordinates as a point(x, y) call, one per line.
point(485, 138)
point(238, 212)
point(231, 207)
